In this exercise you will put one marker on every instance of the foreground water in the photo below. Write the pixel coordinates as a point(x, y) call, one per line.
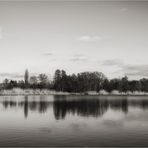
point(73, 121)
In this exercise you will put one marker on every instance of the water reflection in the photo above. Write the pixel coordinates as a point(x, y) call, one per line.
point(41, 106)
point(81, 107)
point(86, 107)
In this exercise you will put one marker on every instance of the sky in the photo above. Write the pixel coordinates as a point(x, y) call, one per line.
point(105, 36)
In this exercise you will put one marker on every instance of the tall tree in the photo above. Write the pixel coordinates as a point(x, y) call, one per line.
point(63, 80)
point(57, 80)
point(134, 85)
point(43, 80)
point(26, 77)
point(144, 85)
point(107, 86)
point(33, 82)
point(124, 84)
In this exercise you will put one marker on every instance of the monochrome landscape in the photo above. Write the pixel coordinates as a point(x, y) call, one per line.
point(73, 73)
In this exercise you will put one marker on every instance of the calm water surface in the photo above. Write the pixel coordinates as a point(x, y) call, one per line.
point(73, 121)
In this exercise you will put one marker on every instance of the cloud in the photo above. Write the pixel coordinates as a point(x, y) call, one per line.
point(11, 75)
point(133, 71)
point(78, 58)
point(113, 62)
point(48, 54)
point(88, 38)
point(136, 70)
point(123, 9)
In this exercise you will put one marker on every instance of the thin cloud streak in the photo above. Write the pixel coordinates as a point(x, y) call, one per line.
point(79, 58)
point(123, 9)
point(11, 75)
point(134, 71)
point(88, 38)
point(48, 54)
point(113, 62)
point(130, 70)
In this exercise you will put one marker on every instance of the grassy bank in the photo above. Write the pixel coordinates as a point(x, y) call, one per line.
point(18, 91)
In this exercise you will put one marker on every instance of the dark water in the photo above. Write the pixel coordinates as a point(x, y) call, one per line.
point(73, 121)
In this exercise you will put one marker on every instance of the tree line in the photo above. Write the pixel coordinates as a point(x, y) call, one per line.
point(81, 82)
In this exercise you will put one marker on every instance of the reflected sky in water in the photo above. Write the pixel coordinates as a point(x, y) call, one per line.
point(73, 121)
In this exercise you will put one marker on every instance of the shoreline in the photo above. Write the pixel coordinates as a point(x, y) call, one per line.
point(112, 95)
point(37, 92)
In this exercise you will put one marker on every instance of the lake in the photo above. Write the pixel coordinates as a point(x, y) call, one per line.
point(73, 120)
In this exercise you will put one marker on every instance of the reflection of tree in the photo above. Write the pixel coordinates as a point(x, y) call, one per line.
point(26, 107)
point(7, 104)
point(87, 107)
point(32, 105)
point(121, 104)
point(40, 106)
point(43, 106)
point(143, 104)
point(81, 107)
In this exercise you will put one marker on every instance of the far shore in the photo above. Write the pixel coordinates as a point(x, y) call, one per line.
point(29, 92)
